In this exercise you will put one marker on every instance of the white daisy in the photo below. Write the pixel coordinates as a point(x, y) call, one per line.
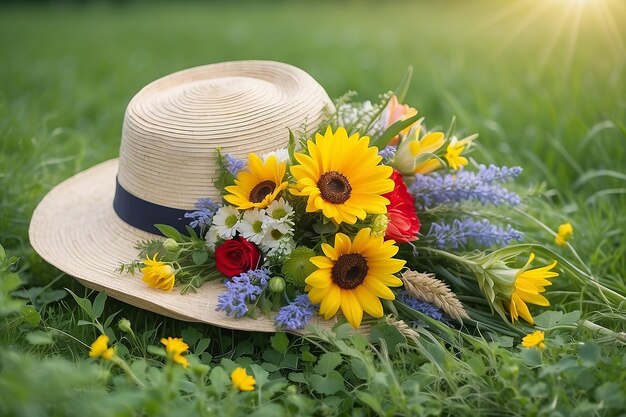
point(251, 225)
point(283, 247)
point(282, 155)
point(226, 220)
point(280, 215)
point(272, 235)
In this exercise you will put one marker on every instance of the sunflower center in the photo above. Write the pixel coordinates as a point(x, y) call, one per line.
point(349, 270)
point(334, 187)
point(261, 190)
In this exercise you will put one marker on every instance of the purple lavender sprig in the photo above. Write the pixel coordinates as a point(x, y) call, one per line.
point(204, 215)
point(241, 290)
point(234, 165)
point(436, 189)
point(422, 306)
point(296, 315)
point(480, 233)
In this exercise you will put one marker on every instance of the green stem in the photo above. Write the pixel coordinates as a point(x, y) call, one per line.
point(449, 255)
point(122, 364)
point(621, 336)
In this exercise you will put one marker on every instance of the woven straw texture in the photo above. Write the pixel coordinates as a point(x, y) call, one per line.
point(171, 131)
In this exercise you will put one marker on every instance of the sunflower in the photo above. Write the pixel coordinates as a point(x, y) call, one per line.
point(259, 185)
point(342, 177)
point(528, 286)
point(354, 275)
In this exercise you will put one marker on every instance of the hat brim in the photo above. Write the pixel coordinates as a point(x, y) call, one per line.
point(75, 229)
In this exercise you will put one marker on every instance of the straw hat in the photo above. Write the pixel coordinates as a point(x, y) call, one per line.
point(167, 162)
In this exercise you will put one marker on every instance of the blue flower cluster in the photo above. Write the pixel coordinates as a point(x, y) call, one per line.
point(240, 290)
point(388, 153)
point(436, 189)
point(461, 232)
point(204, 215)
point(296, 315)
point(234, 165)
point(421, 306)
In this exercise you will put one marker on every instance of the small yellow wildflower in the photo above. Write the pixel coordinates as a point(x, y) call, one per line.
point(563, 234)
point(527, 288)
point(242, 380)
point(158, 274)
point(100, 349)
point(534, 339)
point(175, 347)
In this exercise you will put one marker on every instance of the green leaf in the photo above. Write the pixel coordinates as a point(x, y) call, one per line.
point(30, 315)
point(569, 319)
point(390, 334)
point(359, 369)
point(611, 394)
point(98, 305)
point(83, 303)
point(10, 282)
point(328, 362)
point(202, 345)
point(260, 374)
point(219, 379)
point(329, 384)
point(297, 377)
point(269, 410)
point(192, 233)
point(548, 319)
point(39, 337)
point(3, 254)
point(280, 342)
point(403, 87)
point(370, 401)
point(589, 353)
point(200, 257)
point(169, 231)
point(393, 130)
point(531, 357)
point(308, 356)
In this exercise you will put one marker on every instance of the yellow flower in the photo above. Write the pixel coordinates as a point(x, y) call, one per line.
point(534, 339)
point(99, 348)
point(564, 234)
point(158, 274)
point(527, 288)
point(354, 275)
point(430, 143)
point(342, 177)
point(455, 149)
point(242, 380)
point(259, 185)
point(175, 347)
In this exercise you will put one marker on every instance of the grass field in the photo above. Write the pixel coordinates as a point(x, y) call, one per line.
point(542, 82)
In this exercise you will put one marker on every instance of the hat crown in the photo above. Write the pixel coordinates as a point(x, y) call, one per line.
point(174, 125)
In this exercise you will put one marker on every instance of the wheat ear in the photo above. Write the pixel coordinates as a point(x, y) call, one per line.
point(427, 288)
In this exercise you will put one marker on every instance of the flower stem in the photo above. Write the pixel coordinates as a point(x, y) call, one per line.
point(122, 364)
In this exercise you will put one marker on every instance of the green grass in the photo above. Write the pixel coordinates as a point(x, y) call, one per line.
point(557, 108)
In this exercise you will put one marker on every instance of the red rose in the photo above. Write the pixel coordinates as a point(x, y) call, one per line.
point(403, 223)
point(236, 256)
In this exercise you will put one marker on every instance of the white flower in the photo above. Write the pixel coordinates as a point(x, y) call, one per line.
point(282, 155)
point(272, 234)
point(251, 225)
point(279, 215)
point(226, 220)
point(211, 238)
point(283, 247)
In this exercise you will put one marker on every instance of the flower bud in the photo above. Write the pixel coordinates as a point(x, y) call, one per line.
point(124, 325)
point(379, 225)
point(170, 245)
point(276, 285)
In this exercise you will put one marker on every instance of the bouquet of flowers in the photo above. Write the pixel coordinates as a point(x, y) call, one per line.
point(371, 215)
